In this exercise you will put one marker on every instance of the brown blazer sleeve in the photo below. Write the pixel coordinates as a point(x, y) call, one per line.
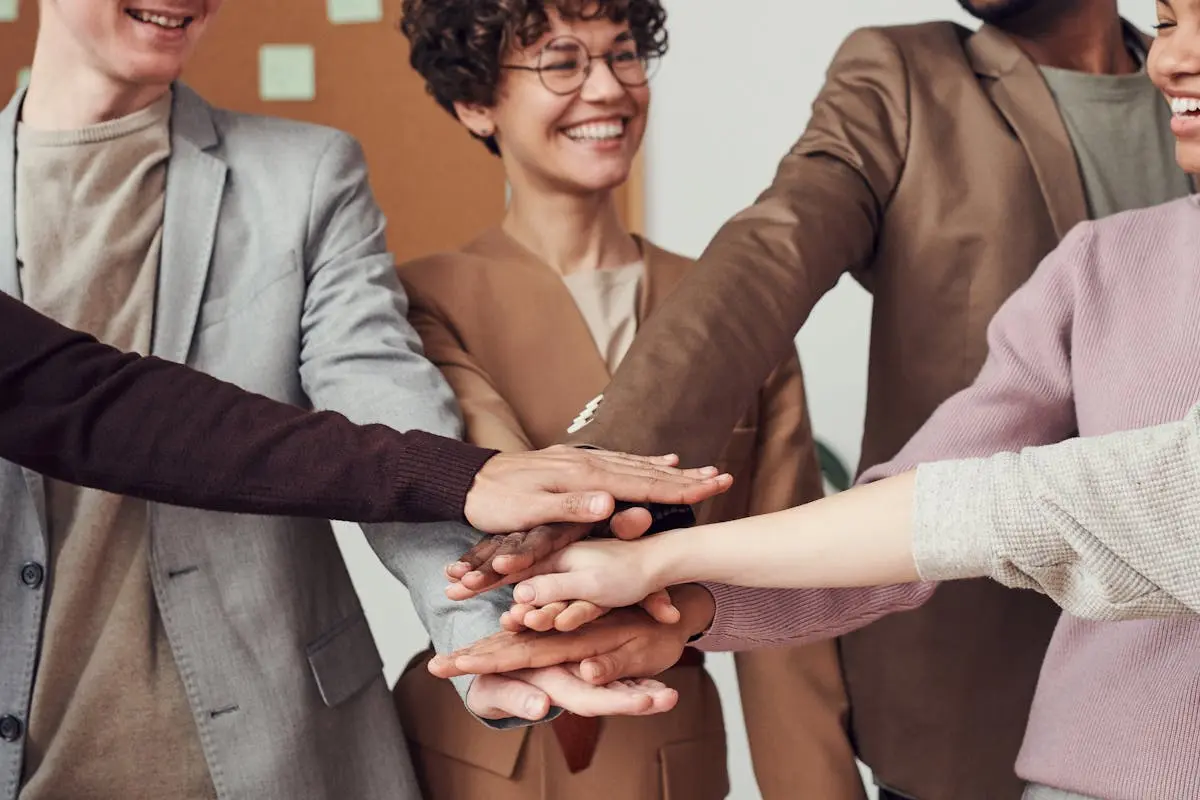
point(80, 411)
point(489, 420)
point(695, 367)
point(793, 699)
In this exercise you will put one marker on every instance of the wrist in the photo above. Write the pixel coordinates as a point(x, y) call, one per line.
point(661, 560)
point(697, 608)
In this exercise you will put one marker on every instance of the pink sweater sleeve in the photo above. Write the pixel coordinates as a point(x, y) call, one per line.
point(1022, 397)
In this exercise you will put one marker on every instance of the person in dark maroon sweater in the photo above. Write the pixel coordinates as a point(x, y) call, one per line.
point(80, 411)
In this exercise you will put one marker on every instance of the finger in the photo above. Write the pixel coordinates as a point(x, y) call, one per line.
point(601, 669)
point(485, 575)
point(443, 667)
point(578, 614)
point(579, 697)
point(542, 590)
point(531, 650)
point(536, 545)
point(576, 506)
point(660, 607)
point(498, 697)
point(480, 554)
point(542, 619)
point(630, 523)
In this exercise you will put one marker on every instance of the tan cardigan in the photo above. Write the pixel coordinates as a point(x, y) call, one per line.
point(1107, 526)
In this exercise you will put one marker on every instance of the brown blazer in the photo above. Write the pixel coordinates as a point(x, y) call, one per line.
point(510, 340)
point(937, 170)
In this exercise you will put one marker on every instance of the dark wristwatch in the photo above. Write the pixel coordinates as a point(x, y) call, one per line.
point(663, 516)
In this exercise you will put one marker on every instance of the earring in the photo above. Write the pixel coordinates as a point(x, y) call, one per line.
point(486, 132)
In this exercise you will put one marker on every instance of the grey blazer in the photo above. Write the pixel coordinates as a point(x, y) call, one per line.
point(274, 275)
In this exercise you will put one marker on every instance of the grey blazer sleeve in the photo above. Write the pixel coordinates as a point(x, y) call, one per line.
point(1106, 526)
point(360, 357)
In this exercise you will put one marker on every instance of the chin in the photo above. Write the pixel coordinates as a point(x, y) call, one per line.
point(1187, 155)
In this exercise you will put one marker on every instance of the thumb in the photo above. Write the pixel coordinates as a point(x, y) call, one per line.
point(602, 669)
point(659, 606)
point(541, 590)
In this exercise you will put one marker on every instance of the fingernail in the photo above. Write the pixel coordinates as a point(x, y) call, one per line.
point(709, 471)
point(597, 504)
point(533, 708)
point(523, 593)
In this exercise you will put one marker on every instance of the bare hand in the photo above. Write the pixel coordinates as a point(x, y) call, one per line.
point(528, 694)
point(500, 560)
point(564, 616)
point(626, 642)
point(520, 491)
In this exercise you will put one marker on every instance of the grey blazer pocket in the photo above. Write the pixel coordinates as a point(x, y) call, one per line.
point(344, 660)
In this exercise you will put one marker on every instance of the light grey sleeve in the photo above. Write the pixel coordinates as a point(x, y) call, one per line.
point(361, 357)
point(1108, 527)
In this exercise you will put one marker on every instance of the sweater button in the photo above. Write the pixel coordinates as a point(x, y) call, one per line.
point(10, 728)
point(32, 575)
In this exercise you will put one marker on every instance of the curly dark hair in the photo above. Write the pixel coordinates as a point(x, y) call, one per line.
point(456, 45)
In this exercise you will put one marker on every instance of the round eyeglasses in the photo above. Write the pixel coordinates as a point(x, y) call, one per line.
point(565, 64)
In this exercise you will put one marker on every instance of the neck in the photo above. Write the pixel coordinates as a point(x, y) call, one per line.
point(570, 233)
point(1083, 36)
point(65, 94)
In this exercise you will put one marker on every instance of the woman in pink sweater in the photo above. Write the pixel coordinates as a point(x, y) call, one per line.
point(1103, 338)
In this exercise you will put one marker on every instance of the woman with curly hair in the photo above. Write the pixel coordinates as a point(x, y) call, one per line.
point(527, 322)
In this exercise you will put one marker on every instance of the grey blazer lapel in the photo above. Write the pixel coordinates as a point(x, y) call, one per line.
point(195, 186)
point(10, 279)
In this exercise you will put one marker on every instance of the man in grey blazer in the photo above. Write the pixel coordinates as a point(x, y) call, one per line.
point(154, 651)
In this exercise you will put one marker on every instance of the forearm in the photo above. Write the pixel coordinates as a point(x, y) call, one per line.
point(735, 317)
point(80, 411)
point(855, 539)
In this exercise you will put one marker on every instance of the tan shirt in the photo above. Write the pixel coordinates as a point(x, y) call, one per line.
point(608, 300)
point(109, 715)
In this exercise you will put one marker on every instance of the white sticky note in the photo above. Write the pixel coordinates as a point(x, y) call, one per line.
point(22, 77)
point(343, 12)
point(8, 10)
point(287, 72)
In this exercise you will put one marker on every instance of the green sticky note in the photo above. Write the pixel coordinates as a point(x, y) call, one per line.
point(22, 77)
point(342, 12)
point(8, 10)
point(287, 72)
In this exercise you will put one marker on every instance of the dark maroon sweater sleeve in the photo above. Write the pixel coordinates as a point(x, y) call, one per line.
point(80, 411)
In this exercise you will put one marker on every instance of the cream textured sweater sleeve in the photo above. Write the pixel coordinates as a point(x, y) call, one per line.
point(1109, 526)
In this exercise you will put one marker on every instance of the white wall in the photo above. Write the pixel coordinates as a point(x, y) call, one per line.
point(730, 98)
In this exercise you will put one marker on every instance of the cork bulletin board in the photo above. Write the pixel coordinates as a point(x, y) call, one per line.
point(342, 63)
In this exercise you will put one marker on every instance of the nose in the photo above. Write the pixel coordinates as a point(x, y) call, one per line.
point(601, 84)
point(1176, 58)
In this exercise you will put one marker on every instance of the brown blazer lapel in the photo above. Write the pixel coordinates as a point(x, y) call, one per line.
point(1021, 95)
point(541, 354)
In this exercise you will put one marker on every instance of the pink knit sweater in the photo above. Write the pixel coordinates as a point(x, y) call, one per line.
point(1104, 337)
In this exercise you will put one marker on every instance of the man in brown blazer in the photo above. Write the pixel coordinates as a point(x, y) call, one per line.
point(939, 166)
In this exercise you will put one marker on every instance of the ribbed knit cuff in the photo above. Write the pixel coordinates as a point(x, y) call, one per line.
point(968, 516)
point(434, 476)
point(952, 531)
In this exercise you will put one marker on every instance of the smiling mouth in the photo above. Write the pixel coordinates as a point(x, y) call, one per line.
point(163, 21)
point(597, 131)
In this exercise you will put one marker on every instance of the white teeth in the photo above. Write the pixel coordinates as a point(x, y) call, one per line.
point(596, 131)
point(1184, 105)
point(158, 19)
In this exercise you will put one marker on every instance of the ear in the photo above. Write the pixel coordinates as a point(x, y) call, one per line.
point(478, 119)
